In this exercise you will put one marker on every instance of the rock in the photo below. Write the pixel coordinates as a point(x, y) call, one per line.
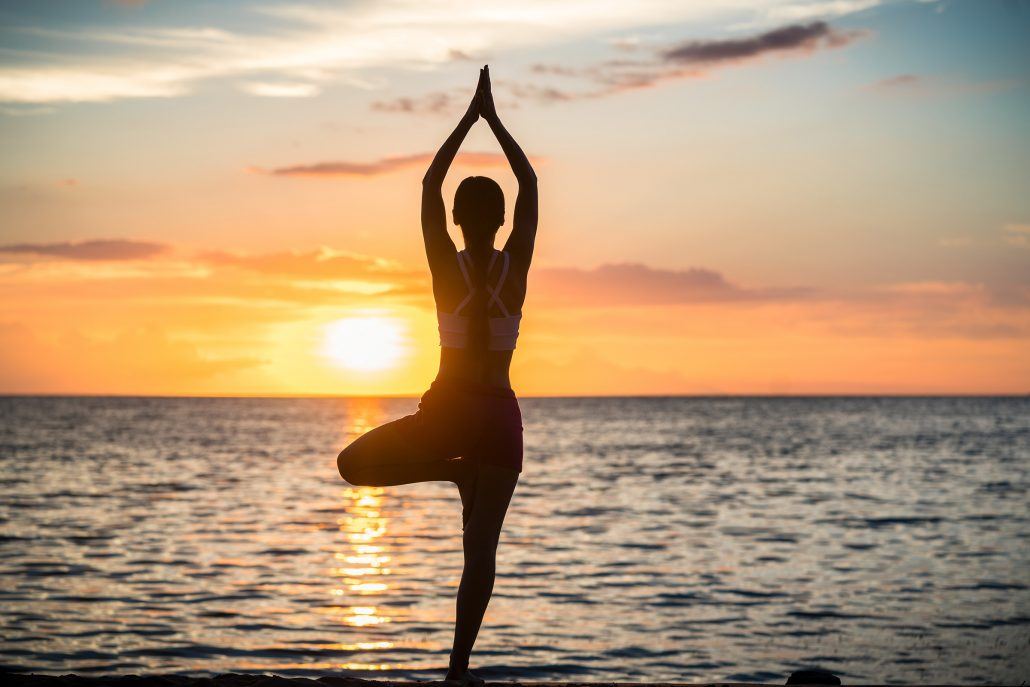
point(813, 677)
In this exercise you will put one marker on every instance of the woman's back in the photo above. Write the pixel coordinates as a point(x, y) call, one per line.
point(479, 306)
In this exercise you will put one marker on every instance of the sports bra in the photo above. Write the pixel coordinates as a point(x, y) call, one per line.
point(454, 327)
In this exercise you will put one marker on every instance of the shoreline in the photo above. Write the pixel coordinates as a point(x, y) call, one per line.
point(12, 679)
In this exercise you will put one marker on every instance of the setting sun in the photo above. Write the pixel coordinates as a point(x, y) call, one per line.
point(364, 343)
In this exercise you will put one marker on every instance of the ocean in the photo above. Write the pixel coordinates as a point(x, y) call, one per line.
point(649, 539)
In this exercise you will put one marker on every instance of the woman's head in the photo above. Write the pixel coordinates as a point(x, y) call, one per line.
point(479, 207)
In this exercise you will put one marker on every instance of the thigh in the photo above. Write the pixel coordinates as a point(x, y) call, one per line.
point(489, 499)
point(392, 444)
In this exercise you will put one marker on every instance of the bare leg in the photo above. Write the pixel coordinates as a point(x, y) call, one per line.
point(383, 457)
point(493, 489)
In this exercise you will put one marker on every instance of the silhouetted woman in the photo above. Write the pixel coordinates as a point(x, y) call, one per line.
point(468, 427)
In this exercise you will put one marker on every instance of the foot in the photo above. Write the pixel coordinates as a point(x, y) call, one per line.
point(466, 677)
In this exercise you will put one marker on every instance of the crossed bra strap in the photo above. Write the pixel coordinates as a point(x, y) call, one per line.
point(503, 330)
point(468, 282)
point(494, 291)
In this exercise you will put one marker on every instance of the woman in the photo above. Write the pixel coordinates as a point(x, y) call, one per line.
point(468, 427)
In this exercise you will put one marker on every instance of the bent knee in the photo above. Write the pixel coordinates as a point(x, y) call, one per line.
point(347, 464)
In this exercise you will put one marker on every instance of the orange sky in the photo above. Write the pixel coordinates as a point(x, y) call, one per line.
point(846, 214)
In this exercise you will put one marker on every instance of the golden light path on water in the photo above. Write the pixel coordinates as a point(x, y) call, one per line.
point(365, 565)
point(364, 568)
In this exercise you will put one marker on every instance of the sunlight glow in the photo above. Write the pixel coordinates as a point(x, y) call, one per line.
point(364, 343)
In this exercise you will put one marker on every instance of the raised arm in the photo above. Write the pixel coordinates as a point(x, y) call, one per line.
point(439, 246)
point(523, 230)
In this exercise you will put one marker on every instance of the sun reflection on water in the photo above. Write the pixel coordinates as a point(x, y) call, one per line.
point(362, 565)
point(365, 563)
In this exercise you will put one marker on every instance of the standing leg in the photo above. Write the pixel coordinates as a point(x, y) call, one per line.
point(386, 457)
point(494, 486)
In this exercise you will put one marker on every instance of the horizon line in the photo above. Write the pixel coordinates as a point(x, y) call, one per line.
point(565, 396)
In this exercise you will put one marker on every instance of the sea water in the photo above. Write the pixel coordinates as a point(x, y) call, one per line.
point(675, 539)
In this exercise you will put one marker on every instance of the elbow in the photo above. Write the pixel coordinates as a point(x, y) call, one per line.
point(528, 178)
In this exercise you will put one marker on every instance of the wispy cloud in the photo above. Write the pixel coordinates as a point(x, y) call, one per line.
point(281, 90)
point(697, 58)
point(813, 9)
point(433, 103)
point(99, 249)
point(383, 165)
point(638, 284)
point(688, 59)
point(323, 263)
point(313, 45)
point(921, 85)
point(1017, 234)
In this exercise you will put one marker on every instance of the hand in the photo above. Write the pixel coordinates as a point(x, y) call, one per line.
point(486, 96)
point(472, 114)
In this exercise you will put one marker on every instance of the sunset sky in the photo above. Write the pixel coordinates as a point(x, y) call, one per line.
point(775, 196)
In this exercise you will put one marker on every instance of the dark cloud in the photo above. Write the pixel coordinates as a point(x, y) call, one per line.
point(100, 249)
point(638, 284)
point(795, 37)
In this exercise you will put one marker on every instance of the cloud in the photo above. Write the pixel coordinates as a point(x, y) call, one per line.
point(281, 90)
point(383, 165)
point(313, 44)
point(439, 102)
point(98, 249)
point(323, 263)
point(628, 284)
point(294, 41)
point(899, 82)
point(793, 38)
point(1017, 234)
point(919, 85)
point(639, 285)
point(444, 102)
point(800, 11)
point(691, 59)
point(461, 55)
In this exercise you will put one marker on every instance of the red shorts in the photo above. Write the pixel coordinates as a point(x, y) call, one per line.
point(465, 419)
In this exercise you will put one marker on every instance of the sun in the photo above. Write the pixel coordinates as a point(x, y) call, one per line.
point(364, 343)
